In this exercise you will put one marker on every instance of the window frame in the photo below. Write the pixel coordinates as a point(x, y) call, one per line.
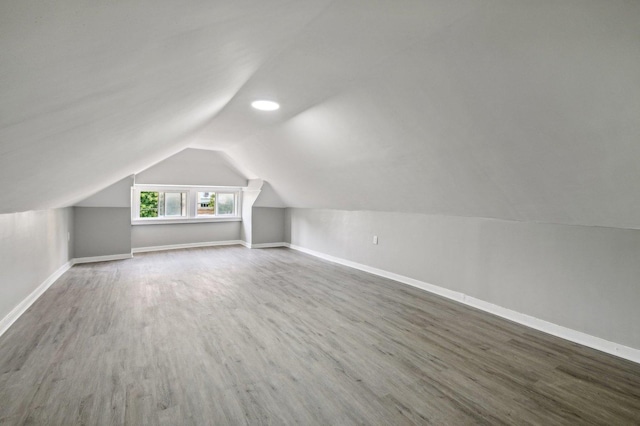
point(192, 204)
point(217, 204)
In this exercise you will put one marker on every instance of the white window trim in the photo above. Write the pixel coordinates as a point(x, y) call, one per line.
point(192, 200)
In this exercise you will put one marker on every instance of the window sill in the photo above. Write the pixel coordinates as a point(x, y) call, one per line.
point(136, 222)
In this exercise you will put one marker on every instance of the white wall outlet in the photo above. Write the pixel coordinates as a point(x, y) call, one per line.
point(375, 239)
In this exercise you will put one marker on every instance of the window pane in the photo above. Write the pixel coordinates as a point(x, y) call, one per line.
point(149, 204)
point(206, 203)
point(226, 203)
point(173, 204)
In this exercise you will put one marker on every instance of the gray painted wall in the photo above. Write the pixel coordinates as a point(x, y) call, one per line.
point(33, 245)
point(583, 278)
point(267, 225)
point(183, 233)
point(102, 231)
point(102, 222)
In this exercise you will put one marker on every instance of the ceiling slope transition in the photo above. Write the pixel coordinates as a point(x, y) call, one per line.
point(506, 109)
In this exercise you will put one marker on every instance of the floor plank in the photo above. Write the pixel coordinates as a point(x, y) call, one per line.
point(228, 335)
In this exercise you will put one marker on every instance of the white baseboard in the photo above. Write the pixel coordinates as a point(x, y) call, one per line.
point(579, 337)
point(189, 245)
point(267, 245)
point(107, 258)
point(12, 316)
point(208, 244)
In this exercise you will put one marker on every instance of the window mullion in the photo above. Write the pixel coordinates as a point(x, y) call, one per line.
point(192, 203)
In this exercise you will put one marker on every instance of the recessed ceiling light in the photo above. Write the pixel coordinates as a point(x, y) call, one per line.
point(265, 105)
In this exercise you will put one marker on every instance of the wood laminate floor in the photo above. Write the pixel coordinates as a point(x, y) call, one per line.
point(230, 335)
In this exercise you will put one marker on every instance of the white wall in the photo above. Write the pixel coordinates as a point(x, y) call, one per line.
point(583, 278)
point(33, 245)
point(518, 110)
point(268, 197)
point(116, 195)
point(193, 167)
point(249, 197)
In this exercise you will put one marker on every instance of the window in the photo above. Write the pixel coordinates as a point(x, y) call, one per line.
point(163, 204)
point(216, 204)
point(179, 204)
point(226, 204)
point(206, 204)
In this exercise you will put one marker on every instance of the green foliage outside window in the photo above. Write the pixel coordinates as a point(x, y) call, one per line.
point(212, 201)
point(149, 204)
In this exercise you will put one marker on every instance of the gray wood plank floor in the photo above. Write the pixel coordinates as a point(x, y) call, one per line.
point(230, 335)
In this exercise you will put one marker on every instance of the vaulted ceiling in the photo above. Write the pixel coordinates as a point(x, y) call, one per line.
point(523, 110)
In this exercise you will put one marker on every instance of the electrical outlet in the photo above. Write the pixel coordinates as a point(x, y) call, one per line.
point(375, 239)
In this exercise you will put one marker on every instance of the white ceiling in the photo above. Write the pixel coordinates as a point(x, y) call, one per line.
point(524, 110)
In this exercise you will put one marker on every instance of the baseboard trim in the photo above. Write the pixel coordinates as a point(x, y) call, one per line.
point(267, 245)
point(188, 245)
point(208, 244)
point(22, 307)
point(107, 258)
point(569, 334)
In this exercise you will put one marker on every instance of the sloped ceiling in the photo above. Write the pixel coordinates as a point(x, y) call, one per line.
point(193, 167)
point(524, 110)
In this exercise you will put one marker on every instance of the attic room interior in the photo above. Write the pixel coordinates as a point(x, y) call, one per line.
point(320, 212)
